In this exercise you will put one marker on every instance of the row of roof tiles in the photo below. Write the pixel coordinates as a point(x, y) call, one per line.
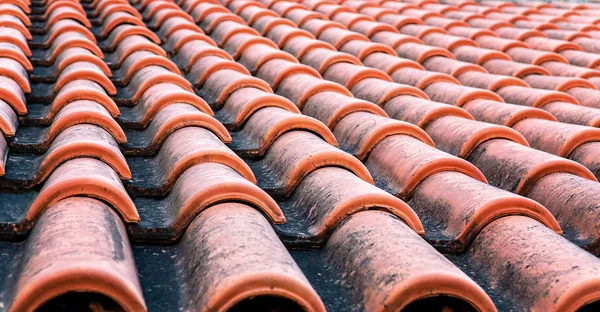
point(144, 133)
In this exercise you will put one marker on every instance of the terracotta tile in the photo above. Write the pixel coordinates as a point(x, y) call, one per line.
point(447, 41)
point(500, 44)
point(14, 22)
point(211, 20)
point(300, 87)
point(518, 33)
point(452, 94)
point(23, 6)
point(563, 84)
point(417, 30)
point(318, 27)
point(450, 66)
point(134, 43)
point(276, 70)
point(301, 46)
point(338, 37)
point(419, 111)
point(587, 44)
point(397, 6)
point(554, 137)
point(506, 114)
point(470, 32)
point(106, 8)
point(115, 19)
point(269, 123)
point(586, 155)
point(155, 98)
point(84, 177)
point(567, 70)
point(68, 40)
point(146, 77)
point(200, 10)
point(349, 19)
point(331, 107)
point(227, 29)
point(222, 83)
point(359, 132)
point(239, 43)
point(389, 63)
point(371, 28)
point(452, 223)
point(166, 121)
point(181, 37)
point(534, 57)
point(38, 139)
point(121, 32)
point(298, 16)
point(533, 97)
point(539, 25)
point(585, 96)
point(181, 150)
point(465, 16)
point(514, 167)
point(350, 75)
point(359, 5)
point(362, 49)
point(81, 140)
point(61, 26)
point(533, 284)
point(156, 6)
point(257, 55)
point(467, 135)
point(420, 78)
point(476, 8)
point(375, 231)
point(13, 10)
point(294, 155)
point(173, 24)
point(489, 81)
point(15, 71)
point(3, 153)
point(122, 7)
point(78, 54)
point(328, 9)
point(11, 93)
point(400, 163)
point(574, 114)
point(258, 263)
point(281, 34)
point(568, 35)
point(8, 119)
point(420, 52)
point(251, 11)
point(393, 39)
point(244, 102)
point(78, 245)
point(325, 203)
point(552, 45)
point(83, 90)
point(390, 17)
point(84, 71)
point(511, 68)
point(266, 24)
point(580, 58)
point(97, 6)
point(137, 61)
point(322, 59)
point(189, 54)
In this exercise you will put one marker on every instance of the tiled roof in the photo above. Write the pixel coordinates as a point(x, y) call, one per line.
point(272, 155)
